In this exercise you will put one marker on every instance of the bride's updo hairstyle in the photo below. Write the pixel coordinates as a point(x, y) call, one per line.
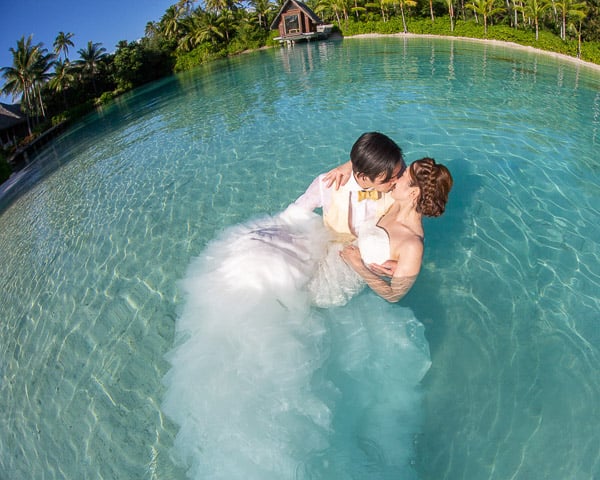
point(434, 182)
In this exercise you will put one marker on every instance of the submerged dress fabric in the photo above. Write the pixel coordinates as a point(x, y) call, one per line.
point(285, 367)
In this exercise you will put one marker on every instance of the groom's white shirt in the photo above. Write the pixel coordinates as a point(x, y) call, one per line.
point(318, 195)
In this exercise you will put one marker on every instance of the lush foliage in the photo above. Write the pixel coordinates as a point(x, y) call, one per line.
point(590, 51)
point(198, 56)
point(136, 63)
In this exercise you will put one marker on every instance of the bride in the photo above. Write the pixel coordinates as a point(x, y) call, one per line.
point(422, 189)
point(266, 385)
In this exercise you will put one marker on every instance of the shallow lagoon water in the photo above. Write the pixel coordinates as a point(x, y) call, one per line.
point(94, 251)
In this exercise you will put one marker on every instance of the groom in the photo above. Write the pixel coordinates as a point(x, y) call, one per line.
point(377, 163)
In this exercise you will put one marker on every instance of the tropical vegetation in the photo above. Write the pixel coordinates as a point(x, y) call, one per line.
point(53, 88)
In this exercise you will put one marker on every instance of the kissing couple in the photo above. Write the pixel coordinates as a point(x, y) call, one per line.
point(280, 367)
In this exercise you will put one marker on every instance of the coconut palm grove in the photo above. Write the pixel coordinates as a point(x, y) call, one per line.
point(54, 85)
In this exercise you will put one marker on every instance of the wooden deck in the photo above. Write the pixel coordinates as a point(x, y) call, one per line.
point(322, 32)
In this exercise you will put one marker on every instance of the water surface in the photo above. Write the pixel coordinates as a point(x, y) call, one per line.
point(94, 251)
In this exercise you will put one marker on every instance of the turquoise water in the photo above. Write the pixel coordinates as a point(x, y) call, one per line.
point(508, 294)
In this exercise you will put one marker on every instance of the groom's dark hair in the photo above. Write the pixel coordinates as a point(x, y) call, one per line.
point(375, 154)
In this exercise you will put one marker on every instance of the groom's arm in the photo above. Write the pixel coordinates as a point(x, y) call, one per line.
point(318, 194)
point(404, 276)
point(386, 269)
point(315, 195)
point(339, 176)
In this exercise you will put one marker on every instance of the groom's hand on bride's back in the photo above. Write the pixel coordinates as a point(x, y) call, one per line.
point(339, 175)
point(386, 269)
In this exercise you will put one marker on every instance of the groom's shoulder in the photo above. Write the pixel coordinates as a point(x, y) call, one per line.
point(321, 183)
point(328, 188)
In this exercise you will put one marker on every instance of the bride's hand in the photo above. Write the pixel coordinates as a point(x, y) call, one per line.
point(339, 175)
point(386, 269)
point(351, 255)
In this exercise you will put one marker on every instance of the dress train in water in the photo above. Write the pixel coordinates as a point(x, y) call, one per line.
point(266, 385)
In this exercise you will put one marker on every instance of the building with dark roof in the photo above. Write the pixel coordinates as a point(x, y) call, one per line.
point(297, 22)
point(13, 124)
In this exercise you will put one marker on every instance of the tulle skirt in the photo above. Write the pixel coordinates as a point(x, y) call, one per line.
point(282, 370)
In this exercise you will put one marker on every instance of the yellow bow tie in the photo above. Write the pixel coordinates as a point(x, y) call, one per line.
point(368, 195)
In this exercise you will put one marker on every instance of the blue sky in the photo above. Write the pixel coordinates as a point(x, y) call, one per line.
point(105, 21)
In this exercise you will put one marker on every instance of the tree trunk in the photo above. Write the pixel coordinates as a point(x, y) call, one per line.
point(41, 102)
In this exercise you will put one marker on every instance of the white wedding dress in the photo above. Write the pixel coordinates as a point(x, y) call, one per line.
point(268, 384)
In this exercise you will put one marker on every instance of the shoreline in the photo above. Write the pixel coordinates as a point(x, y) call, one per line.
point(499, 43)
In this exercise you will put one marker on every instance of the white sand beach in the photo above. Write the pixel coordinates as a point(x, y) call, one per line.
point(568, 58)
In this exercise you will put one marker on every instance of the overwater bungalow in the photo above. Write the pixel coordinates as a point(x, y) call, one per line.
point(296, 22)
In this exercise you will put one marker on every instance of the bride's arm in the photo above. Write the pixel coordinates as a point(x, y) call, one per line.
point(339, 175)
point(402, 281)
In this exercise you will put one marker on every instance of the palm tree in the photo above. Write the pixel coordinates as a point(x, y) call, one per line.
point(185, 7)
point(62, 79)
point(90, 61)
point(577, 14)
point(62, 43)
point(192, 28)
point(486, 8)
point(341, 6)
point(151, 29)
point(263, 9)
point(43, 62)
point(534, 10)
point(568, 8)
point(219, 6)
point(450, 5)
point(228, 22)
point(381, 4)
point(170, 23)
point(206, 27)
point(403, 4)
point(26, 76)
point(211, 29)
point(19, 77)
point(324, 8)
point(358, 9)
